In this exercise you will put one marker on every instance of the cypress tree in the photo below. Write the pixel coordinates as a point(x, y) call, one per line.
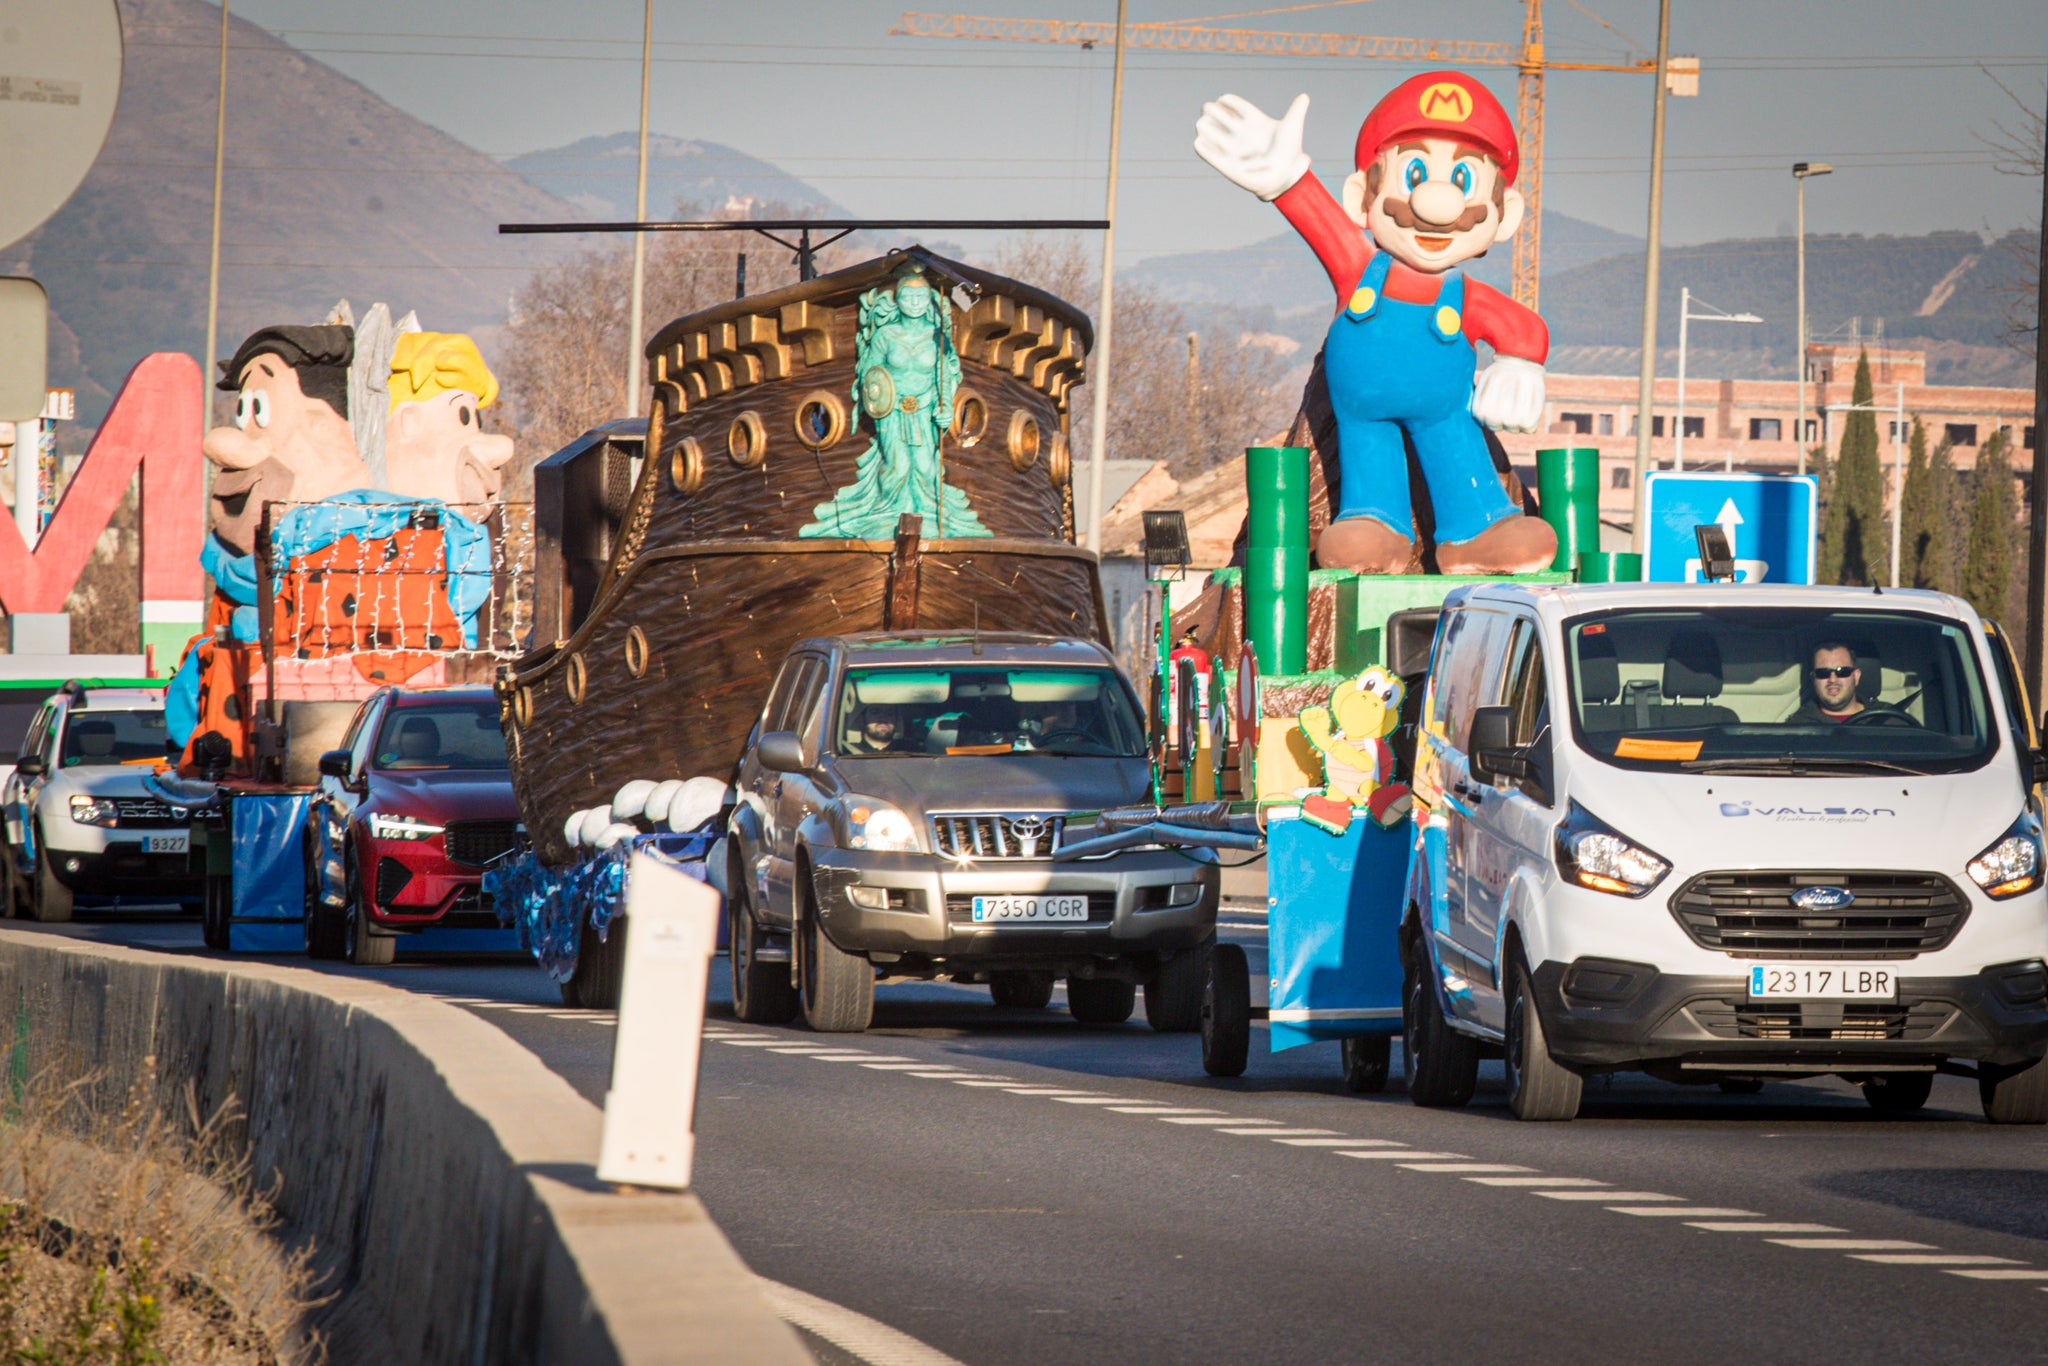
point(1994, 513)
point(1856, 548)
point(1922, 521)
point(1952, 510)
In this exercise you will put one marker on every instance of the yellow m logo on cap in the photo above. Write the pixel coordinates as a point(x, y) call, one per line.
point(1447, 101)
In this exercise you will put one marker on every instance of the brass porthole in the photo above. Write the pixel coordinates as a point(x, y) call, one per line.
point(522, 706)
point(1059, 465)
point(1023, 440)
point(636, 652)
point(747, 442)
point(970, 417)
point(686, 466)
point(820, 420)
point(579, 679)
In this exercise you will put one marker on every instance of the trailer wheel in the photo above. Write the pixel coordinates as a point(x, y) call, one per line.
point(365, 949)
point(1021, 989)
point(1898, 1093)
point(1227, 1012)
point(215, 910)
point(600, 967)
point(1100, 1000)
point(1367, 1063)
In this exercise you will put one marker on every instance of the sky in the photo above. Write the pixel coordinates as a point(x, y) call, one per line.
point(1900, 95)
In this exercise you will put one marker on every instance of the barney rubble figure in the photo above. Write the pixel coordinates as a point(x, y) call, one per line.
point(906, 372)
point(1434, 188)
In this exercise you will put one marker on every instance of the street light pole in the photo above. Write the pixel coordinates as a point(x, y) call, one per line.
point(1646, 398)
point(1801, 171)
point(633, 358)
point(1098, 433)
point(220, 144)
point(1685, 316)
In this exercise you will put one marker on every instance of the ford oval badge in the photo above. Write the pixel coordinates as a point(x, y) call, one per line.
point(1822, 898)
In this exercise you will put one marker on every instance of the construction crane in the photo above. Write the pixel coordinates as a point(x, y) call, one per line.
point(1529, 60)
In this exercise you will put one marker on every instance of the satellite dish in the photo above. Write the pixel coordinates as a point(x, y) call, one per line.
point(60, 79)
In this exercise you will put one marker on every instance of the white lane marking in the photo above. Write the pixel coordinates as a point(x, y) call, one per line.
point(1933, 1259)
point(1463, 1167)
point(1208, 1119)
point(908, 1065)
point(1852, 1244)
point(1558, 1181)
point(533, 1010)
point(870, 1057)
point(1086, 1100)
point(1630, 1197)
point(801, 1050)
point(1046, 1091)
point(1340, 1143)
point(754, 1041)
point(1276, 1133)
point(837, 1054)
point(2015, 1274)
point(1158, 1110)
point(1684, 1212)
point(1402, 1155)
point(1713, 1227)
point(857, 1334)
point(950, 1075)
point(993, 1081)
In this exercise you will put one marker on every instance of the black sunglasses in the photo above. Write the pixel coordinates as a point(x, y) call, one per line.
point(1840, 671)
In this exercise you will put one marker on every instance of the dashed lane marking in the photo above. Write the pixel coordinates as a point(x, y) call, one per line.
point(749, 1041)
point(1625, 1197)
point(1277, 1133)
point(2002, 1274)
point(1533, 1181)
point(893, 1066)
point(993, 1081)
point(957, 1076)
point(1339, 1142)
point(867, 1057)
point(1047, 1091)
point(1852, 1244)
point(1086, 1100)
point(1463, 1167)
point(1932, 1259)
point(1684, 1212)
point(1207, 1119)
point(1157, 1110)
point(1716, 1227)
point(1399, 1155)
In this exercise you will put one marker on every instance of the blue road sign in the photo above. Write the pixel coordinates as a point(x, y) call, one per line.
point(1771, 521)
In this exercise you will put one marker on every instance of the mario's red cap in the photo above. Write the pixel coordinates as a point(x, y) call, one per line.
point(1442, 104)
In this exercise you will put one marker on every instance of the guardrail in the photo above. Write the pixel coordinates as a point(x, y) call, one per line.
point(444, 1175)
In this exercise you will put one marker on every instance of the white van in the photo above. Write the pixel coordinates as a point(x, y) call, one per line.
point(1725, 834)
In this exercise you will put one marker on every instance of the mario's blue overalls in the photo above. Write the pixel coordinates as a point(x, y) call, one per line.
point(1397, 367)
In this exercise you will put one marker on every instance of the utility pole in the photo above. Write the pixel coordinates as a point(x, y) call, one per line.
point(220, 144)
point(633, 357)
point(1194, 399)
point(1098, 432)
point(2037, 538)
point(1801, 171)
point(1646, 397)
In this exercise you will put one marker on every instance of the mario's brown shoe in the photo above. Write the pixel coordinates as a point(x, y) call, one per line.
point(1513, 545)
point(1364, 546)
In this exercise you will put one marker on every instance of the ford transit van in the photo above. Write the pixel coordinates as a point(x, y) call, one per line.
point(1725, 834)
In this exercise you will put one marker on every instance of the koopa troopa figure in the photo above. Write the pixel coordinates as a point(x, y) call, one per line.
point(906, 372)
point(1434, 188)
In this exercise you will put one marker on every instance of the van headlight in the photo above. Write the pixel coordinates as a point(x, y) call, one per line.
point(385, 827)
point(879, 826)
point(94, 810)
point(2013, 864)
point(1592, 853)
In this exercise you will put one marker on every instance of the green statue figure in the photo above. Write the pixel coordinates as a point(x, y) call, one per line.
point(906, 372)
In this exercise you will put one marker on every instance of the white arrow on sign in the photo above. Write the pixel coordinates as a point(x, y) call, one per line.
point(1728, 519)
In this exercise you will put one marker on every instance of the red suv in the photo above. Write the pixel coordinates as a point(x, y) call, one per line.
point(410, 812)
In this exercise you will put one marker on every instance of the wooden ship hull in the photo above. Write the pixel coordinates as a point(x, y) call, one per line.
point(673, 569)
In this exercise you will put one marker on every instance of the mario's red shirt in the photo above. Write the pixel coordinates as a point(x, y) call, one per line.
point(1344, 249)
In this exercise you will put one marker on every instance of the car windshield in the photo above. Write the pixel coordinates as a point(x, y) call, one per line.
point(988, 710)
point(441, 736)
point(1770, 690)
point(93, 738)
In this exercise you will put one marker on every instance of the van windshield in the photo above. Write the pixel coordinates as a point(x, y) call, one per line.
point(1778, 690)
point(984, 711)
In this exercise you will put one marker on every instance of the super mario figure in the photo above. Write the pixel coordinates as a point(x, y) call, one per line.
point(1434, 188)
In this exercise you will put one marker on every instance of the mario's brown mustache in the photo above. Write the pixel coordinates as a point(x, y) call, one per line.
point(1405, 216)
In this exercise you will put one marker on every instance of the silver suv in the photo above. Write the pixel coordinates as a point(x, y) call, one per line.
point(77, 816)
point(899, 805)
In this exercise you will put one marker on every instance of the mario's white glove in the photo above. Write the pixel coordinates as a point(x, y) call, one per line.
point(1253, 150)
point(1508, 395)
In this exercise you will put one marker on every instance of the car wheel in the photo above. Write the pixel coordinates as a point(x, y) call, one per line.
point(1173, 998)
point(364, 949)
point(326, 928)
point(1539, 1086)
point(1898, 1092)
point(761, 992)
point(1021, 990)
point(216, 911)
point(1367, 1063)
point(1739, 1086)
point(1443, 1065)
point(52, 903)
point(2014, 1095)
point(1101, 1000)
point(1226, 1012)
point(600, 966)
point(838, 987)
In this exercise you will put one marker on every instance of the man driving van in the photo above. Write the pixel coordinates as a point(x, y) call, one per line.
point(1835, 678)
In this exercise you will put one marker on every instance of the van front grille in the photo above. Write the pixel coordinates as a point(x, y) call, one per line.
point(1833, 1021)
point(1752, 914)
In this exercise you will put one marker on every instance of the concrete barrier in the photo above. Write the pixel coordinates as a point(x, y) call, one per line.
point(445, 1176)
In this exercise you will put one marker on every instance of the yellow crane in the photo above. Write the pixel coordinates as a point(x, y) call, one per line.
point(1529, 60)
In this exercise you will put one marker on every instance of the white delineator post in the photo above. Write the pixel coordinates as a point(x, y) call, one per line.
point(650, 1112)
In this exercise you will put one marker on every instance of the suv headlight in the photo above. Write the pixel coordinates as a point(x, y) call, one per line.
point(2010, 866)
point(1592, 853)
point(879, 826)
point(385, 827)
point(94, 810)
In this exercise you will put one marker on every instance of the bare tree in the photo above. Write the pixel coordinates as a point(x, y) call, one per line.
point(2018, 143)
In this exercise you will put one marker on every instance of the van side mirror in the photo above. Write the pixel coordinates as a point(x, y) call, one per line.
point(30, 766)
point(1491, 751)
point(334, 764)
point(781, 752)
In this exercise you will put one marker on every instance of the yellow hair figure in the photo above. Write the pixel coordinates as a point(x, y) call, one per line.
point(427, 364)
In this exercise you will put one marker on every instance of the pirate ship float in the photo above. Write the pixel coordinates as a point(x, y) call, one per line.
point(882, 448)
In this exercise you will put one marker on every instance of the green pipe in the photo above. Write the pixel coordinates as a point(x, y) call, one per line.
point(1568, 494)
point(1276, 567)
point(1619, 568)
